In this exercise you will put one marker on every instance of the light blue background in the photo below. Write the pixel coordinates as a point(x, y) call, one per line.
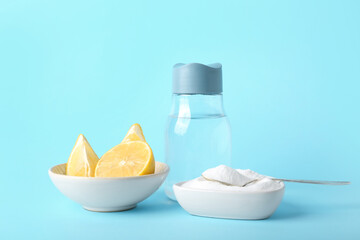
point(291, 90)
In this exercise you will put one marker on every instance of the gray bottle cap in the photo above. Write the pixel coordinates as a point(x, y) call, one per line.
point(196, 78)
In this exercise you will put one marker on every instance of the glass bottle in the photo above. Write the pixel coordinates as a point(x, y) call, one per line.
point(198, 134)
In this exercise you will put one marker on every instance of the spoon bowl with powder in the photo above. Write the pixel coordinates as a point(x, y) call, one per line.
point(242, 178)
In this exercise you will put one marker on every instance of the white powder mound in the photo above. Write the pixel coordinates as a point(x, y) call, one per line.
point(226, 175)
point(202, 183)
point(250, 173)
point(263, 184)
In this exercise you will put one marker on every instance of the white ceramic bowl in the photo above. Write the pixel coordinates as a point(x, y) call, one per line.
point(108, 194)
point(234, 205)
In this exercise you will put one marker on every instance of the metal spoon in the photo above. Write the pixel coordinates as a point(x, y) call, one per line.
point(286, 180)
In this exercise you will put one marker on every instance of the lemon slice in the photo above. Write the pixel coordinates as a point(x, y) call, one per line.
point(135, 133)
point(133, 158)
point(82, 161)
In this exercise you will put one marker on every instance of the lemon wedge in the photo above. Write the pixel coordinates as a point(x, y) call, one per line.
point(83, 160)
point(135, 133)
point(131, 158)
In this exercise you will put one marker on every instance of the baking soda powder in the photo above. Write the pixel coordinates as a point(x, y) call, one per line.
point(223, 178)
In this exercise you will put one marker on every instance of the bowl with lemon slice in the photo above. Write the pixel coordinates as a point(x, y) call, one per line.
point(124, 176)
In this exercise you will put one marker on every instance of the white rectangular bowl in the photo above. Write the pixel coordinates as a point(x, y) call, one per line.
point(233, 205)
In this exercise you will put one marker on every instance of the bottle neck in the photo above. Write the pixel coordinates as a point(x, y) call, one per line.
point(197, 105)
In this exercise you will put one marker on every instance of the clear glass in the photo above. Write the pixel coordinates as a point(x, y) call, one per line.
point(197, 137)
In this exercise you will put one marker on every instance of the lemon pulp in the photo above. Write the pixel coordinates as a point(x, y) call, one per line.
point(131, 158)
point(135, 133)
point(83, 160)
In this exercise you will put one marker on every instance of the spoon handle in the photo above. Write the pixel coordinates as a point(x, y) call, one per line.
point(314, 181)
